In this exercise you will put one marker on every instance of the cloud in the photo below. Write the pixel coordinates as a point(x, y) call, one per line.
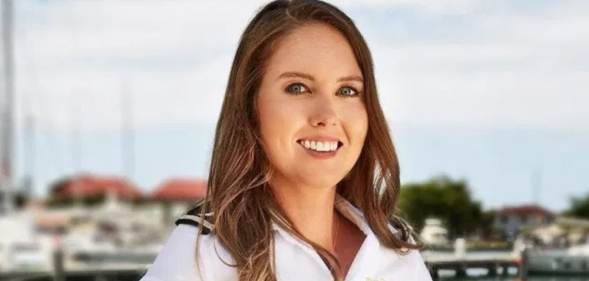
point(494, 68)
point(438, 63)
point(173, 57)
point(437, 7)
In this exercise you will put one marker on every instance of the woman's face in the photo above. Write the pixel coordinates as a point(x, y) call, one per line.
point(312, 116)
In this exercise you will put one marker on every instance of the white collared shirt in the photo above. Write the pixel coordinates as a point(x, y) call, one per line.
point(295, 259)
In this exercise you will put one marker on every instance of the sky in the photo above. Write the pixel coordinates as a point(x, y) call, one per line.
point(492, 92)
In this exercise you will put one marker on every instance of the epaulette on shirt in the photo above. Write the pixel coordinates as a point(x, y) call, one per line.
point(194, 217)
point(404, 228)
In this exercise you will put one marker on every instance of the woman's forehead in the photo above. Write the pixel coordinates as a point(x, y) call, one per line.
point(313, 48)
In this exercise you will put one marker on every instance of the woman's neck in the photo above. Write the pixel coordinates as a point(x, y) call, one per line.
point(311, 209)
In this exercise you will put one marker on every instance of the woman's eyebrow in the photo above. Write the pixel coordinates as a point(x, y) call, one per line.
point(311, 78)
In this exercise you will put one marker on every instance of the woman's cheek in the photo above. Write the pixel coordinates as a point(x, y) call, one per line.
point(280, 119)
point(357, 119)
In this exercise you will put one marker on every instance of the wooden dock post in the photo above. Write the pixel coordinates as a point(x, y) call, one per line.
point(523, 267)
point(461, 270)
point(433, 271)
point(504, 270)
point(58, 271)
point(492, 270)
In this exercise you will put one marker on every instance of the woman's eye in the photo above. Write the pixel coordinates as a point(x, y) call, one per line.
point(349, 92)
point(296, 88)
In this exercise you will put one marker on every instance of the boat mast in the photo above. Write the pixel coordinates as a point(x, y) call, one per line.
point(127, 135)
point(7, 152)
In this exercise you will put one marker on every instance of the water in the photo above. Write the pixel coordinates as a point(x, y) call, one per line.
point(478, 275)
point(532, 278)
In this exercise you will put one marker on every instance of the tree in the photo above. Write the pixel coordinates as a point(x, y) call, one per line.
point(443, 198)
point(579, 207)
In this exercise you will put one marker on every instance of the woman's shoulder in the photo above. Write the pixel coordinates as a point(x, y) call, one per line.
point(177, 259)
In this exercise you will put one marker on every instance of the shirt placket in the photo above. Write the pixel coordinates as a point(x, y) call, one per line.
point(310, 252)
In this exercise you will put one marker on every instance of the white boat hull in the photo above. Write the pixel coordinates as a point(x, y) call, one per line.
point(557, 262)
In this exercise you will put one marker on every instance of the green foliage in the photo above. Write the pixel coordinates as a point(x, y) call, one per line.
point(579, 207)
point(443, 198)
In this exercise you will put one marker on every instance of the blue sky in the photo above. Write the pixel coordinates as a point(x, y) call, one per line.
point(493, 92)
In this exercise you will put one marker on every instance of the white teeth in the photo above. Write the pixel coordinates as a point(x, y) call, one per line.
point(323, 146)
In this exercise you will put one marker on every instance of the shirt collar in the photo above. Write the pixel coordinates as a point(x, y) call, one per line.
point(352, 213)
point(347, 209)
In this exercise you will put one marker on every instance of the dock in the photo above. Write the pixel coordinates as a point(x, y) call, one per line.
point(495, 264)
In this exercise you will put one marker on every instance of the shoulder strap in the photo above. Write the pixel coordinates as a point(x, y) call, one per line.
point(194, 217)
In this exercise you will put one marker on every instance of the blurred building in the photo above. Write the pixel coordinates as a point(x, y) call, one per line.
point(509, 221)
point(169, 200)
point(175, 196)
point(91, 189)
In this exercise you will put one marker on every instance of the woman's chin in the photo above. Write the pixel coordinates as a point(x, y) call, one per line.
point(315, 182)
point(314, 178)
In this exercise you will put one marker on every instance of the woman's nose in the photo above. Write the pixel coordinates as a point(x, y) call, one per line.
point(323, 114)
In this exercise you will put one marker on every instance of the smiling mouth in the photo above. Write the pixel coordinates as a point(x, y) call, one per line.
point(321, 146)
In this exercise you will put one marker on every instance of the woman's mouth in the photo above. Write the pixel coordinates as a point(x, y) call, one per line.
point(320, 149)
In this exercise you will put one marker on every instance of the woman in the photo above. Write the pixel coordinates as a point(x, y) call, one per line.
point(304, 176)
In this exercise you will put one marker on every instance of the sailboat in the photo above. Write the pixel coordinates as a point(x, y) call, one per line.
point(6, 112)
point(22, 248)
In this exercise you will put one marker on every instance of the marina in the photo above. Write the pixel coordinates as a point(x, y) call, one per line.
point(110, 199)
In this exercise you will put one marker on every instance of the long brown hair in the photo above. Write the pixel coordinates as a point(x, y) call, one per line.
point(239, 198)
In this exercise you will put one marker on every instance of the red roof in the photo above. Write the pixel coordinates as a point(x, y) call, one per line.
point(525, 210)
point(93, 185)
point(180, 190)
